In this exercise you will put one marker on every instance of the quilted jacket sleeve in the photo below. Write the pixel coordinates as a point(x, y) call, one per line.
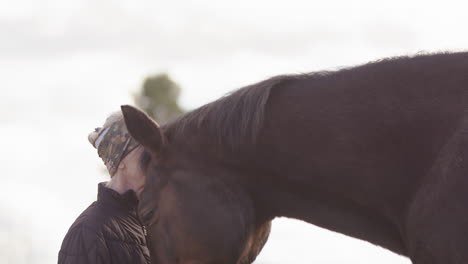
point(83, 245)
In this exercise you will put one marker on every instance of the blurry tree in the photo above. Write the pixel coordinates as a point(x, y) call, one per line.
point(159, 98)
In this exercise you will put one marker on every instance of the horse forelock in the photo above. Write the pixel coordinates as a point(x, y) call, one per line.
point(232, 121)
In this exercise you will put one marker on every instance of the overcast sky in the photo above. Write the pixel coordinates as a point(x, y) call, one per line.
point(64, 65)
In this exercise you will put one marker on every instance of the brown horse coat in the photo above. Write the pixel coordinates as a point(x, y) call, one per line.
point(376, 152)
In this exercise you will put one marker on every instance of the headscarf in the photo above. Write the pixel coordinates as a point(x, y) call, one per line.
point(112, 141)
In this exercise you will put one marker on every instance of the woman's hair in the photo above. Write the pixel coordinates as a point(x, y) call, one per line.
point(113, 117)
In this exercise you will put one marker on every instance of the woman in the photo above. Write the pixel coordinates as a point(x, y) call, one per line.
point(109, 230)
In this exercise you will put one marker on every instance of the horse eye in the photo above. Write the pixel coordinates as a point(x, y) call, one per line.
point(97, 129)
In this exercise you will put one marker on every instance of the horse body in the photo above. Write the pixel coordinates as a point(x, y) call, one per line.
point(354, 147)
point(375, 152)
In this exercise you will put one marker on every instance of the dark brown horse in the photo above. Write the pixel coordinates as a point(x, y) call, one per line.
point(378, 152)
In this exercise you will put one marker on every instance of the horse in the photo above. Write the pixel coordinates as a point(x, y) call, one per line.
point(378, 152)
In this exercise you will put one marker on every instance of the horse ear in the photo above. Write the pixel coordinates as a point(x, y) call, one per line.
point(142, 128)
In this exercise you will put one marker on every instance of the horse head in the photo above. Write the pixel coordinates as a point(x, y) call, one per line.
point(194, 209)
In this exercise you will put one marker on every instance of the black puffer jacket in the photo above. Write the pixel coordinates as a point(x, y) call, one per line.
point(108, 231)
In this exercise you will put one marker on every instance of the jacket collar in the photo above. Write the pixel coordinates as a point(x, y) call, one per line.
point(108, 197)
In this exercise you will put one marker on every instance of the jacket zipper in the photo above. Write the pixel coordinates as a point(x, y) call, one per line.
point(145, 233)
point(148, 243)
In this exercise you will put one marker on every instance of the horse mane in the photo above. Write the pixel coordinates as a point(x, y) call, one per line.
point(233, 120)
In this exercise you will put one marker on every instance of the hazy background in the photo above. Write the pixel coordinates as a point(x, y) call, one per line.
point(65, 65)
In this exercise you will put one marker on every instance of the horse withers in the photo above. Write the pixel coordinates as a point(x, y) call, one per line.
point(378, 152)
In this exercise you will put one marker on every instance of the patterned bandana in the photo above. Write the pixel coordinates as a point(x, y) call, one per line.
point(113, 143)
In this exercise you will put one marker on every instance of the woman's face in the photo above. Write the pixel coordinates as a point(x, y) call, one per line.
point(132, 166)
